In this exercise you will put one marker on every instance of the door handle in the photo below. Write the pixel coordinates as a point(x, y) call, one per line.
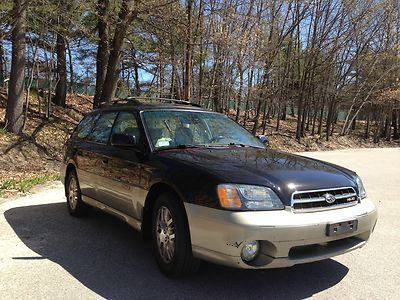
point(104, 161)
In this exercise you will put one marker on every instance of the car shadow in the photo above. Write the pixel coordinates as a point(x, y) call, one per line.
point(112, 260)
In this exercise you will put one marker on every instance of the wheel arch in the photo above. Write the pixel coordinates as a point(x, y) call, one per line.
point(156, 190)
point(70, 167)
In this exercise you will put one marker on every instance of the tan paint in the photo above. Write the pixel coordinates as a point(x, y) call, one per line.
point(218, 236)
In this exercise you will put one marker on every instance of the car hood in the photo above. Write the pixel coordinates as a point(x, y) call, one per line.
point(283, 172)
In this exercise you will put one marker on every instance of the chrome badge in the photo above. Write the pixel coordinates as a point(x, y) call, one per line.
point(329, 198)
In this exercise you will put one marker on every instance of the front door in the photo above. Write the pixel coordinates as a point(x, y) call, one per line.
point(125, 169)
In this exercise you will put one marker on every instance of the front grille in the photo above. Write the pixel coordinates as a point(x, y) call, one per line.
point(317, 199)
point(325, 249)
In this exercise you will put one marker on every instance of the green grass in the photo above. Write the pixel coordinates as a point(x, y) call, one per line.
point(3, 131)
point(25, 184)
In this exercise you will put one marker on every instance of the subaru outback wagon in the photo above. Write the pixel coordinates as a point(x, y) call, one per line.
point(201, 187)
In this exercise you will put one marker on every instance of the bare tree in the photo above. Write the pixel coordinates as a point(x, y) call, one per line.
point(15, 101)
point(125, 17)
point(188, 54)
point(61, 87)
point(102, 49)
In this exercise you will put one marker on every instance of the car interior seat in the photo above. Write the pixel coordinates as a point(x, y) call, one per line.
point(155, 134)
point(183, 136)
point(132, 131)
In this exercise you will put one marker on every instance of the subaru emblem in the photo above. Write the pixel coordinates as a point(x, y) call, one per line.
point(329, 198)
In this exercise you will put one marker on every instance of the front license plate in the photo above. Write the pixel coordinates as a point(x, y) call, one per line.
point(341, 227)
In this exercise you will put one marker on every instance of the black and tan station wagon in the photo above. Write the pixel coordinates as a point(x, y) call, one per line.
point(201, 187)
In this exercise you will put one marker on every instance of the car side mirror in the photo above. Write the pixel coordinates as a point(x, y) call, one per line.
point(264, 139)
point(123, 140)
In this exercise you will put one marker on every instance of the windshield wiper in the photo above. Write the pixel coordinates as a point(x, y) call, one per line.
point(181, 146)
point(186, 146)
point(244, 145)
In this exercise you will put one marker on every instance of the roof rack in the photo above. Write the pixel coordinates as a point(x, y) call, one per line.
point(138, 100)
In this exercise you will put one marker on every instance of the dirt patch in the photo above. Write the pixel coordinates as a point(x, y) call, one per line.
point(38, 151)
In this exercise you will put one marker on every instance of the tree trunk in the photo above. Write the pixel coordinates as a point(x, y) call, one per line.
point(71, 69)
point(201, 52)
point(126, 16)
point(353, 124)
point(378, 126)
point(395, 124)
point(240, 94)
point(161, 71)
point(102, 50)
point(398, 120)
point(15, 101)
point(265, 117)
point(366, 135)
point(39, 98)
point(278, 118)
point(321, 117)
point(216, 87)
point(329, 119)
point(292, 109)
point(315, 112)
point(309, 117)
point(257, 116)
point(284, 111)
point(385, 127)
point(1, 62)
point(299, 117)
point(49, 78)
point(136, 71)
point(188, 54)
point(388, 125)
point(61, 87)
point(249, 87)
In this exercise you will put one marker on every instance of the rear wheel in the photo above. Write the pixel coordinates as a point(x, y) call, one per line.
point(76, 206)
point(171, 238)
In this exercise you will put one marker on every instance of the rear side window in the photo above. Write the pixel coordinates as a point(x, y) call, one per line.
point(85, 126)
point(101, 131)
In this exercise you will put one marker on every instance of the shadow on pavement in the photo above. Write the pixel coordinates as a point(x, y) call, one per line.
point(111, 259)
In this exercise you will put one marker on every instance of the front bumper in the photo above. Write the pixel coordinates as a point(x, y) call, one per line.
point(286, 238)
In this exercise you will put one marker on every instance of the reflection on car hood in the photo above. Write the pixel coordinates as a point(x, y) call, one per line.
point(283, 172)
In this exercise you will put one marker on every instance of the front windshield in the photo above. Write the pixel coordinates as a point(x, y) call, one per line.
point(177, 128)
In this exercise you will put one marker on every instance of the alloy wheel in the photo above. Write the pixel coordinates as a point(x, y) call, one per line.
point(165, 234)
point(73, 193)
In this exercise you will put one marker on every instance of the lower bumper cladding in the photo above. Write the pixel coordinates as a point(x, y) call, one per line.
point(285, 238)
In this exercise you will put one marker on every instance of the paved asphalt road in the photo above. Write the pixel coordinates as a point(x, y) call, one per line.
point(45, 253)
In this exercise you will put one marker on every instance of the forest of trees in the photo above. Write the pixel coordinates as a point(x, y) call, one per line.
point(258, 61)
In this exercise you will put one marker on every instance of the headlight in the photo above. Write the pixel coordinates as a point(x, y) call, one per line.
point(248, 197)
point(361, 190)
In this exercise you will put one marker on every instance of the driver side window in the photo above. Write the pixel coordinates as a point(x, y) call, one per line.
point(126, 124)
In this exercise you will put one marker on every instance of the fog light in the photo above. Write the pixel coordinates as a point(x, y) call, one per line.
point(250, 250)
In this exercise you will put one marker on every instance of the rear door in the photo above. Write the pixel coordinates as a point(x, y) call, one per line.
point(98, 154)
point(83, 154)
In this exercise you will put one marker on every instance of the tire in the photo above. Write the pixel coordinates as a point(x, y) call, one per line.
point(171, 237)
point(76, 206)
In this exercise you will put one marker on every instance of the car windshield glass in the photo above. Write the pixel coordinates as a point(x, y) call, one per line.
point(177, 128)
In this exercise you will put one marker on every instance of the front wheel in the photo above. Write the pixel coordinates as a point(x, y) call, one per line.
point(171, 238)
